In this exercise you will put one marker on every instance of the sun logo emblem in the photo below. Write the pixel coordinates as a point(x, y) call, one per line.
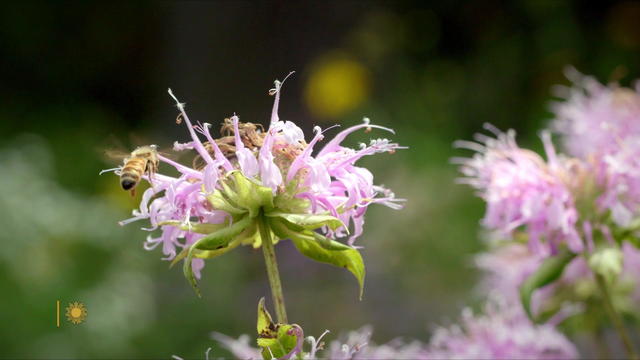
point(76, 312)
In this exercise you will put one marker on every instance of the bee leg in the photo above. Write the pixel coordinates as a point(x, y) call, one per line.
point(133, 192)
point(150, 171)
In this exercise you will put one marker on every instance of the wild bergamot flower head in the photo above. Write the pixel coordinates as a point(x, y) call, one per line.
point(523, 191)
point(601, 124)
point(272, 176)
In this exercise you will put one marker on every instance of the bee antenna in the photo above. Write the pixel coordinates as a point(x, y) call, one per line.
point(108, 170)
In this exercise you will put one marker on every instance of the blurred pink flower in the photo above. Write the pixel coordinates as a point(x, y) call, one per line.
point(506, 267)
point(522, 190)
point(355, 345)
point(631, 271)
point(601, 124)
point(502, 332)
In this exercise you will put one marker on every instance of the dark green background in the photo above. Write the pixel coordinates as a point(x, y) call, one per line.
point(76, 77)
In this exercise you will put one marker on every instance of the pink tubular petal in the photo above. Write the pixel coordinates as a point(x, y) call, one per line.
point(246, 158)
point(270, 174)
point(300, 160)
point(334, 144)
point(204, 129)
point(274, 111)
point(196, 141)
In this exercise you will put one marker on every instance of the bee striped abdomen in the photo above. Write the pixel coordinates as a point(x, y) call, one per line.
point(132, 172)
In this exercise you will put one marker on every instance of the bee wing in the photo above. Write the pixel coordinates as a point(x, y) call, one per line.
point(115, 154)
point(111, 150)
point(169, 153)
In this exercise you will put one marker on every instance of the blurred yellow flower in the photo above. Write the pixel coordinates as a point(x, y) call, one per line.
point(336, 85)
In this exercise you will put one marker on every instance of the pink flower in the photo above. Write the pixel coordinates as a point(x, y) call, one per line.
point(506, 267)
point(502, 332)
point(187, 207)
point(594, 117)
point(601, 124)
point(522, 191)
point(355, 345)
point(631, 272)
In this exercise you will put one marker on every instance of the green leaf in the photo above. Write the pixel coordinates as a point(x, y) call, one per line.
point(549, 271)
point(274, 339)
point(349, 259)
point(224, 236)
point(215, 241)
point(330, 244)
point(188, 270)
point(332, 252)
point(220, 202)
point(282, 345)
point(205, 254)
point(286, 230)
point(309, 221)
point(265, 325)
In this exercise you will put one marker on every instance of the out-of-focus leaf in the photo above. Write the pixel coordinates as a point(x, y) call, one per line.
point(549, 271)
point(607, 261)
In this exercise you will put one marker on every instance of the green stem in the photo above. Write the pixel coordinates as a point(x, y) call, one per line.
point(272, 270)
point(615, 317)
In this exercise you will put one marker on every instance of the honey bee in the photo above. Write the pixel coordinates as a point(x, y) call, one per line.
point(142, 160)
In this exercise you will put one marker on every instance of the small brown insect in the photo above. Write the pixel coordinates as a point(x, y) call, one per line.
point(251, 135)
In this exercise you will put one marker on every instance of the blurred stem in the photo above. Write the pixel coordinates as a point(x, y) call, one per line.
point(615, 317)
point(272, 269)
point(601, 345)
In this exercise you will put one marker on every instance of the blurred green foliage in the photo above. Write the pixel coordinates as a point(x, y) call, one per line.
point(78, 75)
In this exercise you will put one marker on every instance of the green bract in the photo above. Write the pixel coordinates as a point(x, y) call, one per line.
point(246, 202)
point(607, 261)
point(278, 341)
point(549, 271)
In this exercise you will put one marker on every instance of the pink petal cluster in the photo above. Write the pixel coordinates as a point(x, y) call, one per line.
point(522, 191)
point(502, 332)
point(329, 180)
point(601, 124)
point(355, 345)
point(631, 271)
point(507, 266)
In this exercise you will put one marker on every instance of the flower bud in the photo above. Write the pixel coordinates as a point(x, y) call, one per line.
point(607, 262)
